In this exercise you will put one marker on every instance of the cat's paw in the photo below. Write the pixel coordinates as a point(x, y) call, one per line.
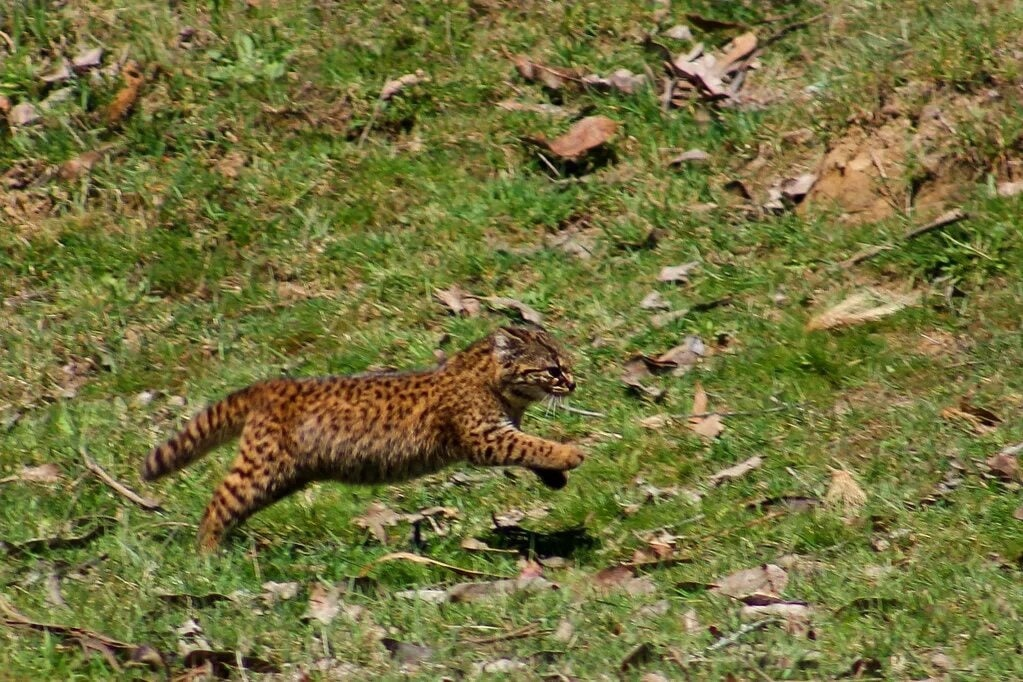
point(569, 457)
point(553, 479)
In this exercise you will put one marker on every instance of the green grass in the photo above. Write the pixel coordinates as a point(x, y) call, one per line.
point(243, 225)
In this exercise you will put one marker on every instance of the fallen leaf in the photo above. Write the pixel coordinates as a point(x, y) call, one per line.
point(691, 622)
point(60, 73)
point(1009, 189)
point(650, 241)
point(534, 107)
point(622, 80)
point(864, 306)
point(684, 356)
point(796, 615)
point(458, 300)
point(734, 472)
point(550, 77)
point(641, 654)
point(376, 519)
point(405, 652)
point(654, 301)
point(126, 97)
point(636, 371)
point(677, 274)
point(1005, 464)
point(844, 493)
point(678, 32)
point(468, 592)
point(393, 87)
point(564, 632)
point(655, 421)
point(688, 157)
point(530, 569)
point(704, 424)
point(623, 577)
point(500, 665)
point(793, 503)
point(87, 59)
point(584, 136)
point(768, 579)
point(323, 604)
point(735, 52)
point(53, 595)
point(80, 165)
point(525, 312)
point(23, 114)
point(795, 189)
point(275, 591)
point(474, 545)
point(708, 24)
point(44, 473)
point(574, 241)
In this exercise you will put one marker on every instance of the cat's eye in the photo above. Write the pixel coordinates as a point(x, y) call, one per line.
point(554, 371)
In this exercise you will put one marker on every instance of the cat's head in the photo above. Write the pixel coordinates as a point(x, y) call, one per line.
point(530, 364)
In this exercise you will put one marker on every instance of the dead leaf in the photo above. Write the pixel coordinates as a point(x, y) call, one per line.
point(565, 631)
point(981, 419)
point(458, 301)
point(550, 77)
point(584, 136)
point(708, 24)
point(525, 312)
point(59, 74)
point(275, 591)
point(640, 655)
point(323, 605)
point(431, 596)
point(650, 241)
point(534, 107)
point(622, 80)
point(677, 274)
point(393, 87)
point(864, 306)
point(468, 592)
point(795, 189)
point(126, 97)
point(23, 114)
point(792, 503)
point(44, 473)
point(53, 595)
point(575, 241)
point(623, 577)
point(87, 59)
point(691, 622)
point(796, 615)
point(678, 32)
point(683, 356)
point(80, 165)
point(1005, 464)
point(474, 545)
point(735, 52)
point(530, 569)
point(768, 579)
point(1009, 189)
point(688, 157)
point(654, 301)
point(376, 518)
point(500, 665)
point(706, 425)
point(734, 472)
point(844, 493)
point(636, 372)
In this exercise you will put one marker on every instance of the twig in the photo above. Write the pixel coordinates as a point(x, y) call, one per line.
point(789, 28)
point(950, 218)
point(735, 636)
point(146, 503)
point(585, 413)
point(528, 630)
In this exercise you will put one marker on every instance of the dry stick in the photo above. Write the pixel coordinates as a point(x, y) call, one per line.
point(528, 630)
point(735, 636)
point(146, 503)
point(950, 218)
point(585, 413)
point(737, 413)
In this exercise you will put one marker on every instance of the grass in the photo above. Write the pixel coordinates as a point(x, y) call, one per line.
point(244, 223)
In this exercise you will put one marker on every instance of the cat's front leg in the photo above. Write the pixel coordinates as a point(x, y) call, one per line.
point(507, 446)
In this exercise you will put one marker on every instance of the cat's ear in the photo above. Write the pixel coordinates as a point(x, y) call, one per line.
point(505, 344)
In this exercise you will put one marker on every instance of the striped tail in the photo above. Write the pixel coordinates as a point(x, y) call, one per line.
point(217, 424)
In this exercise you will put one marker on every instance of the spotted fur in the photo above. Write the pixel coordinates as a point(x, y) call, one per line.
point(377, 428)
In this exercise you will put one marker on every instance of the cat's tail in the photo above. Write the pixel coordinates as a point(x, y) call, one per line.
point(216, 424)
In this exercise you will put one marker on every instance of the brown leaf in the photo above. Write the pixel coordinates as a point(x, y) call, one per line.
point(654, 301)
point(530, 569)
point(23, 114)
point(655, 421)
point(767, 579)
point(735, 52)
point(524, 311)
point(683, 356)
point(708, 426)
point(275, 591)
point(87, 59)
point(323, 605)
point(406, 653)
point(688, 157)
point(636, 372)
point(640, 655)
point(623, 577)
point(534, 108)
point(844, 493)
point(60, 73)
point(474, 545)
point(80, 165)
point(126, 97)
point(552, 78)
point(795, 189)
point(650, 241)
point(376, 518)
point(393, 87)
point(737, 471)
point(584, 136)
point(677, 274)
point(678, 32)
point(1005, 464)
point(574, 241)
point(44, 473)
point(467, 592)
point(796, 615)
point(458, 300)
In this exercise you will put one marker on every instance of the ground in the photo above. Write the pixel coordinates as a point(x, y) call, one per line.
point(231, 191)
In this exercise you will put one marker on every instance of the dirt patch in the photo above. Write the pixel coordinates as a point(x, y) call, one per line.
point(910, 155)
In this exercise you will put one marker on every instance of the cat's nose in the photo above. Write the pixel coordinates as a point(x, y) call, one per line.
point(569, 384)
